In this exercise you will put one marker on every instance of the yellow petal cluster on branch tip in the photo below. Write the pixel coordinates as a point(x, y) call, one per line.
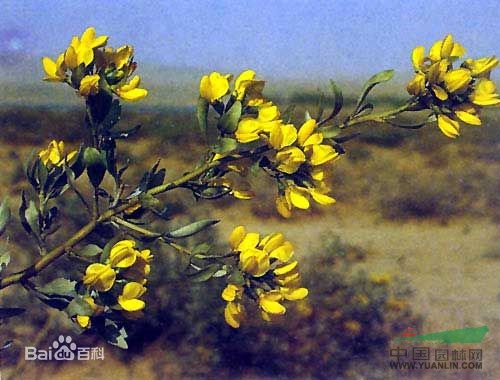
point(453, 94)
point(89, 66)
point(55, 154)
point(214, 86)
point(269, 275)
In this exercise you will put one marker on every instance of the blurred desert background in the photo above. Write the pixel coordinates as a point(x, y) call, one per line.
point(412, 242)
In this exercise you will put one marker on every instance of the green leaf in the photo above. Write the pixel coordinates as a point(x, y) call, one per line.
point(225, 145)
point(338, 101)
point(4, 215)
point(192, 228)
point(205, 274)
point(202, 114)
point(78, 306)
point(220, 273)
point(90, 250)
point(115, 335)
point(237, 277)
point(113, 115)
point(406, 126)
point(9, 312)
point(32, 218)
point(383, 76)
point(228, 123)
point(96, 165)
point(201, 249)
point(60, 287)
point(330, 132)
point(364, 110)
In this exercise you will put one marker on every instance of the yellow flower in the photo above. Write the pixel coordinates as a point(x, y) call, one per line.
point(417, 85)
point(129, 299)
point(141, 268)
point(310, 140)
point(282, 135)
point(467, 113)
point(287, 275)
point(232, 292)
point(54, 154)
point(117, 58)
point(89, 85)
point(289, 159)
point(248, 130)
point(268, 112)
point(55, 70)
point(296, 196)
point(214, 86)
point(123, 254)
point(437, 71)
point(481, 67)
point(446, 49)
point(240, 240)
point(457, 81)
point(84, 320)
point(89, 39)
point(294, 294)
point(239, 189)
point(269, 302)
point(484, 93)
point(99, 276)
point(129, 91)
point(233, 314)
point(418, 58)
point(448, 126)
point(277, 248)
point(81, 50)
point(254, 261)
point(246, 84)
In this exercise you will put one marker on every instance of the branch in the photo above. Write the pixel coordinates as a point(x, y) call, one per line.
point(58, 251)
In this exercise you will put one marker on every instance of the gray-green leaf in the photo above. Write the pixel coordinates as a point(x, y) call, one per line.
point(380, 77)
point(59, 286)
point(90, 250)
point(205, 274)
point(202, 114)
point(192, 228)
point(225, 145)
point(228, 123)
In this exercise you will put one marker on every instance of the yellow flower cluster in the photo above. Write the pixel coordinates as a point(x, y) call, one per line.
point(269, 275)
point(299, 156)
point(454, 94)
point(55, 155)
point(89, 66)
point(125, 264)
point(215, 86)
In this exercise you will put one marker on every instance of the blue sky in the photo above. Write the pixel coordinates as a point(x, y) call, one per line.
point(280, 38)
